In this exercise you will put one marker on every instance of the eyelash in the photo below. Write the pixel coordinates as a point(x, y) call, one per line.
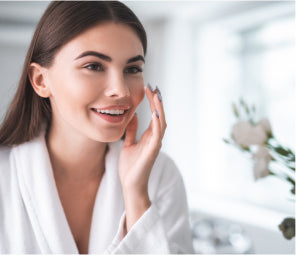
point(98, 65)
point(138, 69)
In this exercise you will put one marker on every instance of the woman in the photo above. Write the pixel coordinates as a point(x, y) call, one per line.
point(68, 183)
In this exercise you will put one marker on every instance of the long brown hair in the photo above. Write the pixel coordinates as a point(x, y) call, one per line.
point(61, 22)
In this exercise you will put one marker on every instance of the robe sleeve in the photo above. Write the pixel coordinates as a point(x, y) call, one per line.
point(164, 227)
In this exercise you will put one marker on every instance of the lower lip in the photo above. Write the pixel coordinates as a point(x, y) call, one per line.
point(110, 118)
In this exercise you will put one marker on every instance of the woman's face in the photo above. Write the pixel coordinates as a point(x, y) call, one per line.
point(96, 82)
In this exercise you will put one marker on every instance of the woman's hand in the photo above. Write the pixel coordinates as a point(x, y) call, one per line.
point(137, 159)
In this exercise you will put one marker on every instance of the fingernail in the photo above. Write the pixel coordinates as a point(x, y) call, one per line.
point(149, 86)
point(157, 114)
point(159, 94)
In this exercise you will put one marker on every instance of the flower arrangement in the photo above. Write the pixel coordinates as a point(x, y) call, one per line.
point(255, 137)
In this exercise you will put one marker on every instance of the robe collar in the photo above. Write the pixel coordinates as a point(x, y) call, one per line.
point(40, 197)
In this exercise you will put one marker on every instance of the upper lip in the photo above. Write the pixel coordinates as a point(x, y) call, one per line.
point(113, 107)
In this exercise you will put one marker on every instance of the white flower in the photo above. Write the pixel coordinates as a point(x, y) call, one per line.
point(261, 161)
point(245, 134)
point(265, 124)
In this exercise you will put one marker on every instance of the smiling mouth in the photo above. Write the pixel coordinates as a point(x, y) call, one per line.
point(113, 112)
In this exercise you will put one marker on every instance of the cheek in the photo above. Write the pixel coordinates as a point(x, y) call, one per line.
point(138, 94)
point(70, 90)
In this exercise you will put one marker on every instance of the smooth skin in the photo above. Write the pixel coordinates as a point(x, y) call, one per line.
point(77, 138)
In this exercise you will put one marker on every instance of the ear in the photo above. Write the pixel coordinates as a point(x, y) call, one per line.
point(37, 76)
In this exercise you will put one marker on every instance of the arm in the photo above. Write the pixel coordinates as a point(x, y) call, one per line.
point(164, 227)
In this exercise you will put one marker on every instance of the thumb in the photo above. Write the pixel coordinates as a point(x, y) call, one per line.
point(131, 131)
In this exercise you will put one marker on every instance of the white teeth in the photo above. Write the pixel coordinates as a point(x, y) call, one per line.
point(113, 112)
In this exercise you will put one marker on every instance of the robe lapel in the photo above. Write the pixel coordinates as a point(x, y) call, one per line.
point(41, 199)
point(109, 204)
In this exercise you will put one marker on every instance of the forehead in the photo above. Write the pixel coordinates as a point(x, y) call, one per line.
point(115, 40)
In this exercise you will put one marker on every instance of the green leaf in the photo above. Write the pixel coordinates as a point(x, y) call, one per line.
point(235, 110)
point(281, 150)
point(247, 109)
point(253, 108)
point(241, 101)
point(291, 180)
point(226, 141)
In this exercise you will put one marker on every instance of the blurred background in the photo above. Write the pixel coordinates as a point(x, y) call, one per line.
point(204, 56)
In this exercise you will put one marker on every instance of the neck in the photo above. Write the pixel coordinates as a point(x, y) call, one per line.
point(75, 158)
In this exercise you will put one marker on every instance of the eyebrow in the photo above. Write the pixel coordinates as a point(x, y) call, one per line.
point(107, 58)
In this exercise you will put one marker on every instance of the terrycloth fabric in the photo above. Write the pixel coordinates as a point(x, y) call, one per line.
point(32, 219)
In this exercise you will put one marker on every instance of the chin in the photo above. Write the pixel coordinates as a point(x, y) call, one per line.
point(109, 138)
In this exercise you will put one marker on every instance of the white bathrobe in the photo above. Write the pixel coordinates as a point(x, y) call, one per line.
point(32, 219)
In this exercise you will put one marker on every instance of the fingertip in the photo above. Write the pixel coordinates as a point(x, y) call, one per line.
point(156, 113)
point(150, 88)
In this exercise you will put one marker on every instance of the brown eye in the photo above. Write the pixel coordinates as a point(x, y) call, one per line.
point(133, 70)
point(94, 67)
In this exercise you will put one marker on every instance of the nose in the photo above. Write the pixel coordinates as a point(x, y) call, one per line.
point(117, 86)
